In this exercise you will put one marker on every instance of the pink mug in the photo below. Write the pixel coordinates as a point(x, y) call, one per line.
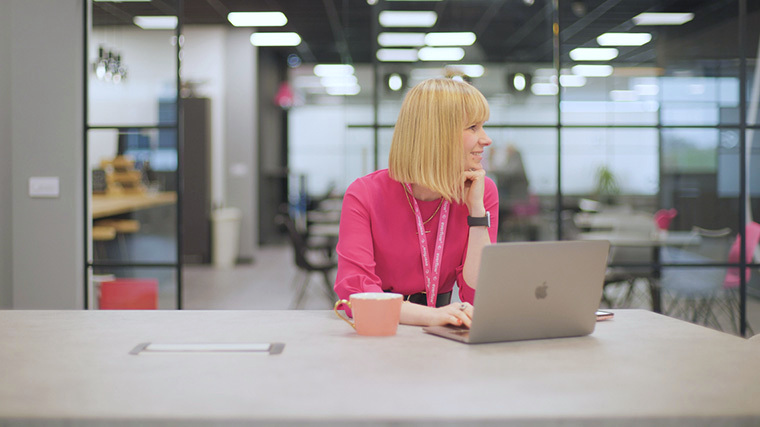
point(375, 313)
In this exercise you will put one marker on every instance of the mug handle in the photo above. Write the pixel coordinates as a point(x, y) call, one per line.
point(345, 319)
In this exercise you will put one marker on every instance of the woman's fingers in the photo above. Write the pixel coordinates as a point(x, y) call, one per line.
point(460, 314)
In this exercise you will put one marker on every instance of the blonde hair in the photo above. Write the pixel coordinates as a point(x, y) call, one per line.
point(427, 140)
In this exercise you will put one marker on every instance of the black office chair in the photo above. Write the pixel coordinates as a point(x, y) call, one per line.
point(305, 261)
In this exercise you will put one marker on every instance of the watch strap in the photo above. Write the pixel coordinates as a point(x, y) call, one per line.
point(479, 221)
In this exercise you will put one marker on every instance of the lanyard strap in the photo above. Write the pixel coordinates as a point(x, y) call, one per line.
point(431, 272)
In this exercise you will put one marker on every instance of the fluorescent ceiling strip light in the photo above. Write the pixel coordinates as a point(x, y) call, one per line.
point(121, 1)
point(646, 89)
point(571, 80)
point(593, 53)
point(450, 39)
point(257, 19)
point(397, 55)
point(414, 0)
point(544, 89)
point(343, 90)
point(623, 96)
point(441, 54)
point(275, 39)
point(651, 18)
point(339, 81)
point(401, 39)
point(426, 73)
point(395, 18)
point(472, 70)
point(156, 22)
point(593, 70)
point(624, 39)
point(329, 70)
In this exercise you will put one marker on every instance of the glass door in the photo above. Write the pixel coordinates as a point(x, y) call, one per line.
point(133, 154)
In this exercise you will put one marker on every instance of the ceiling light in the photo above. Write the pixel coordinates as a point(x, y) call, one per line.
point(544, 89)
point(401, 39)
point(450, 39)
point(395, 82)
point(337, 81)
point(156, 22)
point(121, 1)
point(257, 19)
point(519, 82)
point(646, 89)
point(593, 53)
point(649, 18)
point(623, 95)
point(344, 90)
point(441, 54)
point(328, 70)
point(426, 73)
point(624, 39)
point(593, 70)
point(395, 18)
point(571, 80)
point(275, 39)
point(471, 70)
point(397, 55)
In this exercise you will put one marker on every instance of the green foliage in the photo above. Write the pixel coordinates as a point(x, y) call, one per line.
point(606, 183)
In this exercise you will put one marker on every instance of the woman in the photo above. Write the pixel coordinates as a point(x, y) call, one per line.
point(405, 229)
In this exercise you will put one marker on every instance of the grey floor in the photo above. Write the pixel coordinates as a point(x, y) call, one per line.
point(270, 283)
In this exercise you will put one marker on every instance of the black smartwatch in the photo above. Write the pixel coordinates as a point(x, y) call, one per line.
point(479, 221)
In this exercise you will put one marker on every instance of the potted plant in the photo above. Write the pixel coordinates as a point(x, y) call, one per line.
point(607, 186)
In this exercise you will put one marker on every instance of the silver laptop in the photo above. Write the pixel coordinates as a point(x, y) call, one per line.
point(535, 290)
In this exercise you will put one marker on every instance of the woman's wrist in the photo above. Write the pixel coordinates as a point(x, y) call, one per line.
point(477, 211)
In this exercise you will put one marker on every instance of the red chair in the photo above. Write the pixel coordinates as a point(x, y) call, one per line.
point(129, 294)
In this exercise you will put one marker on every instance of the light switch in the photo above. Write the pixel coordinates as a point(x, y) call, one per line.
point(44, 186)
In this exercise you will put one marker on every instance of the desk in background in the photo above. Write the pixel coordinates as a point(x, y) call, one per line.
point(653, 241)
point(638, 369)
point(116, 204)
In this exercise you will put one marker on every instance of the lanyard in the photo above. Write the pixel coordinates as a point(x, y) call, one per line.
point(431, 272)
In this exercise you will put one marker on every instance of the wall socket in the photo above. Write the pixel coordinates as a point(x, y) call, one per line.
point(44, 186)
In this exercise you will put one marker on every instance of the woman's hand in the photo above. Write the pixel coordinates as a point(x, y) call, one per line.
point(457, 314)
point(474, 191)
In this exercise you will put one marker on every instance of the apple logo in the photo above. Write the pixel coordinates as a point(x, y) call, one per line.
point(541, 291)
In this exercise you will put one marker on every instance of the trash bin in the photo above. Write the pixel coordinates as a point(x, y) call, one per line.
point(226, 236)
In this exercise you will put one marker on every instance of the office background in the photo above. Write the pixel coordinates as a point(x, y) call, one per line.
point(678, 147)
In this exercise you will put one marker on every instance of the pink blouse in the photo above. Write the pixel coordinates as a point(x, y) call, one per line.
point(378, 249)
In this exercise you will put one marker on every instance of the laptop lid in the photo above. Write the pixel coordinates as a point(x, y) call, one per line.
point(535, 290)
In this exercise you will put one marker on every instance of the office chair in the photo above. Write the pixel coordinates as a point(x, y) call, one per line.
point(304, 258)
point(702, 294)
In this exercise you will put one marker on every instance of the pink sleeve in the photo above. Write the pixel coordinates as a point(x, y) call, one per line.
point(356, 258)
point(466, 293)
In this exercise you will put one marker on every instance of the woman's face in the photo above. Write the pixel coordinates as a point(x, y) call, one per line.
point(474, 140)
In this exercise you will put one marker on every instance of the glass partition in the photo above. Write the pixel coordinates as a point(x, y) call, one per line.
point(132, 151)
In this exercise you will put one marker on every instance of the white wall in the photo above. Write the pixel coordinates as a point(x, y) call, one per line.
point(45, 140)
point(6, 244)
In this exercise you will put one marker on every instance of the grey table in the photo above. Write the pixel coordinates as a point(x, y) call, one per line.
point(641, 368)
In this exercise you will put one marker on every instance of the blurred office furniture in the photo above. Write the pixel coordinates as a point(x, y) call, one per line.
point(226, 236)
point(308, 261)
point(196, 181)
point(635, 246)
point(123, 227)
point(101, 235)
point(128, 294)
point(105, 205)
point(706, 295)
